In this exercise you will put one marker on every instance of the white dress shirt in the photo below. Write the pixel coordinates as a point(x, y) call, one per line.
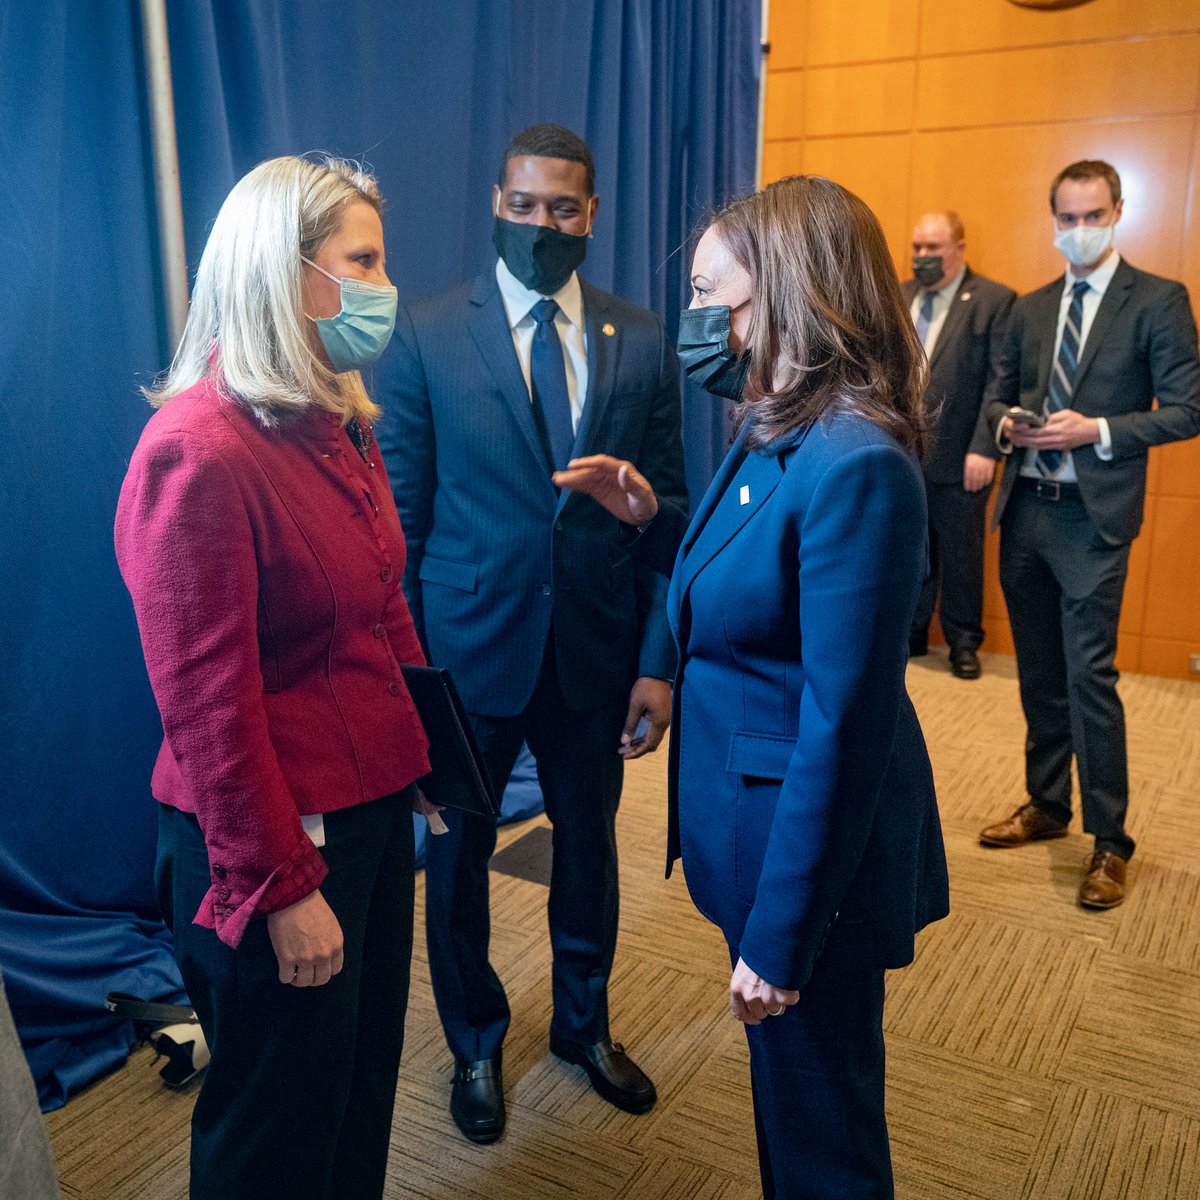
point(942, 299)
point(1098, 282)
point(568, 321)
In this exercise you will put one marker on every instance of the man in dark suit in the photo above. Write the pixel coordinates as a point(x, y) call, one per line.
point(1072, 405)
point(553, 634)
point(960, 318)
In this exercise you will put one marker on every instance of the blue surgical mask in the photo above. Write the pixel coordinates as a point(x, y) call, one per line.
point(359, 334)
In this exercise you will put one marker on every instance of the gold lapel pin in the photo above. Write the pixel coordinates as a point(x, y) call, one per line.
point(608, 329)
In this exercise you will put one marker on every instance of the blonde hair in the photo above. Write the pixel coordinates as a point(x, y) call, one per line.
point(829, 329)
point(246, 327)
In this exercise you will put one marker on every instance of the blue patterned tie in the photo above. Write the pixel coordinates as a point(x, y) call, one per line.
point(925, 316)
point(548, 377)
point(1062, 378)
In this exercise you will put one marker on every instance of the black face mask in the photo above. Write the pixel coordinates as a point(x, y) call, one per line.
point(703, 347)
point(927, 269)
point(540, 257)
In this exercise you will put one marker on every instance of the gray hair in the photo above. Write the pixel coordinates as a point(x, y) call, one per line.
point(246, 326)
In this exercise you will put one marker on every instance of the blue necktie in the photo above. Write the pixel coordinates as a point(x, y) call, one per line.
point(548, 377)
point(925, 316)
point(1062, 378)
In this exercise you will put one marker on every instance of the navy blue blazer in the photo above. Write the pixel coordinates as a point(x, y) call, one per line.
point(800, 786)
point(494, 550)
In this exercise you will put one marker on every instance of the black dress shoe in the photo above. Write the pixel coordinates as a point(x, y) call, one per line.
point(613, 1073)
point(964, 663)
point(477, 1099)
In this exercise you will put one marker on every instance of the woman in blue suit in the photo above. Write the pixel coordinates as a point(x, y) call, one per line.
point(801, 795)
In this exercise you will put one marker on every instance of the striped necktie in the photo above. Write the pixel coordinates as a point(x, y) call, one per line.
point(1062, 378)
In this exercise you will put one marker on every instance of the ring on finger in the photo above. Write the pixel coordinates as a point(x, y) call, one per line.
point(774, 1012)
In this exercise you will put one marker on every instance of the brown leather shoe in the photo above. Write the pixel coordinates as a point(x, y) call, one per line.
point(1027, 824)
point(1104, 884)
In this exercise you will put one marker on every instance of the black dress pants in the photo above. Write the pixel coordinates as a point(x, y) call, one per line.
point(1063, 586)
point(297, 1101)
point(957, 521)
point(580, 773)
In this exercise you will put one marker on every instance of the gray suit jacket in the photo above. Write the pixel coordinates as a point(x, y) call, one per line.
point(964, 359)
point(1141, 348)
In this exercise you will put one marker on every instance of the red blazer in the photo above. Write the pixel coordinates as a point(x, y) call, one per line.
point(265, 570)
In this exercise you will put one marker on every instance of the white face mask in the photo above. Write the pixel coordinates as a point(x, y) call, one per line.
point(1083, 245)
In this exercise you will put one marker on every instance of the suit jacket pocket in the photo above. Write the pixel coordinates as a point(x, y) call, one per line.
point(759, 755)
point(449, 572)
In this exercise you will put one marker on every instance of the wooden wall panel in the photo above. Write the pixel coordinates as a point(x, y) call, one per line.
point(923, 104)
point(872, 98)
point(1162, 656)
point(855, 31)
point(1175, 546)
point(786, 34)
point(1059, 83)
point(1190, 257)
point(1179, 475)
point(784, 110)
point(782, 158)
point(999, 179)
point(950, 26)
point(876, 170)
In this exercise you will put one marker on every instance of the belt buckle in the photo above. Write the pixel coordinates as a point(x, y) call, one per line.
point(1049, 489)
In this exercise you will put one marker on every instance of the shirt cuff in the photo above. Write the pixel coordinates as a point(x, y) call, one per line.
point(303, 871)
point(1103, 447)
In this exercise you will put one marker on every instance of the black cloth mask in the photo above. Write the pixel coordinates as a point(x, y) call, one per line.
point(542, 258)
point(927, 269)
point(703, 348)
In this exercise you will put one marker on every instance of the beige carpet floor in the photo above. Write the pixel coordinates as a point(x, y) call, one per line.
point(1036, 1050)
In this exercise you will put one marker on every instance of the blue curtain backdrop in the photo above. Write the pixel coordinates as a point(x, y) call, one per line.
point(428, 93)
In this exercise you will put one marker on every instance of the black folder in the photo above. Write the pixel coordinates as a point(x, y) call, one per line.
point(458, 777)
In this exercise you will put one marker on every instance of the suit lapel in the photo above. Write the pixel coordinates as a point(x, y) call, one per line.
point(603, 352)
point(1111, 303)
point(489, 327)
point(720, 481)
point(1046, 324)
point(724, 512)
point(960, 306)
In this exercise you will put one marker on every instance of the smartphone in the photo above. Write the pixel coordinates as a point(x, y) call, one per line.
point(1023, 416)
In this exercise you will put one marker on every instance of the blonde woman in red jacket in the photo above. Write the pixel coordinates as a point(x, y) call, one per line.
point(258, 538)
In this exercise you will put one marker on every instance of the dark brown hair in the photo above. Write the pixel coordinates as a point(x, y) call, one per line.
point(1088, 168)
point(829, 330)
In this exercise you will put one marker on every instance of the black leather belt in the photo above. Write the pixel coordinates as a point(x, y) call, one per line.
point(1048, 489)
